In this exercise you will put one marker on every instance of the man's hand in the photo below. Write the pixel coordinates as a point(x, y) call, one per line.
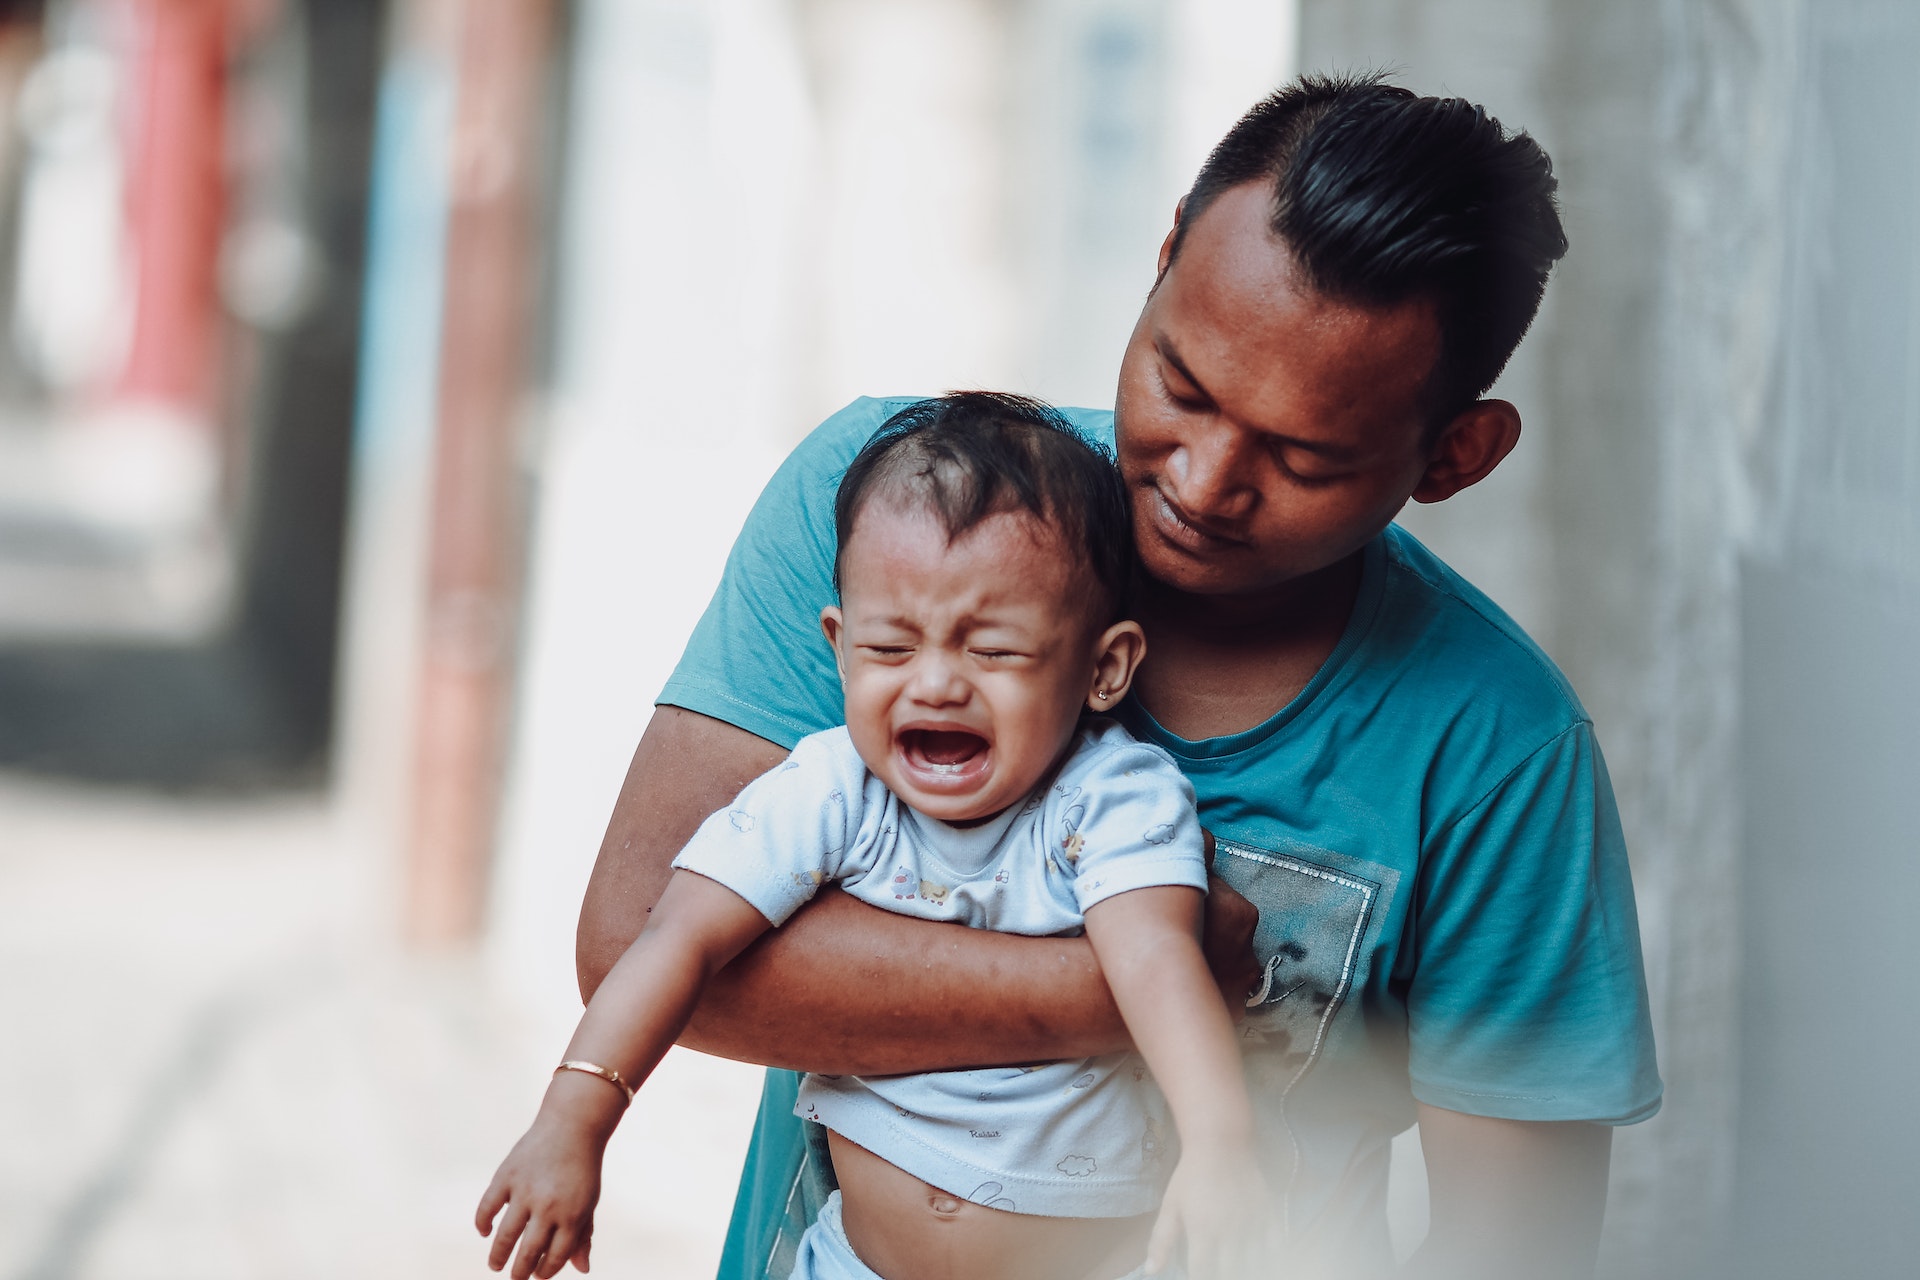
point(1511, 1199)
point(1226, 939)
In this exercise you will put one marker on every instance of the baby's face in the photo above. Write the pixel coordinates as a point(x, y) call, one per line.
point(966, 666)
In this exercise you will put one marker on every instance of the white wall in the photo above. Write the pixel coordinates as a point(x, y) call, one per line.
point(770, 207)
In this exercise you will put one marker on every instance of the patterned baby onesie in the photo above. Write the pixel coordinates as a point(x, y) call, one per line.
point(1086, 1138)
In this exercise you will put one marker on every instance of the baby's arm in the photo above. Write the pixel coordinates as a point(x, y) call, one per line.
point(550, 1181)
point(1147, 942)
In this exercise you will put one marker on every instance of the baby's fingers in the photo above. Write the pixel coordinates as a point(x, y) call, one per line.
point(559, 1248)
point(533, 1246)
point(1203, 1258)
point(491, 1202)
point(1242, 1250)
point(1167, 1229)
point(510, 1228)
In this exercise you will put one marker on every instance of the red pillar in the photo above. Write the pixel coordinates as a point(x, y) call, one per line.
point(474, 558)
point(176, 198)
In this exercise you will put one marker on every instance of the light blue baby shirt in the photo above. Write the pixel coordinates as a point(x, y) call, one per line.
point(1080, 1138)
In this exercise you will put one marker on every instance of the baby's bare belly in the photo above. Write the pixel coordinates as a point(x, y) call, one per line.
point(906, 1229)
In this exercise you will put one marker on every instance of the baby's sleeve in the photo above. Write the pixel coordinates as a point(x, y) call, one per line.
point(790, 831)
point(1127, 821)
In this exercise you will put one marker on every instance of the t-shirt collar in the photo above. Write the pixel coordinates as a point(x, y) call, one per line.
point(1366, 608)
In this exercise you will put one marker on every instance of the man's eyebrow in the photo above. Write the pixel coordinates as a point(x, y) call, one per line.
point(1332, 452)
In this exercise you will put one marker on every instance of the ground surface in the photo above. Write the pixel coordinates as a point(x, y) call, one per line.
point(214, 1065)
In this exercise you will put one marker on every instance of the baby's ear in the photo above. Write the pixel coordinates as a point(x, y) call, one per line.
point(833, 626)
point(1116, 657)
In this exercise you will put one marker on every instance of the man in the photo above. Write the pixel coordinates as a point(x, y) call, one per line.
point(1401, 784)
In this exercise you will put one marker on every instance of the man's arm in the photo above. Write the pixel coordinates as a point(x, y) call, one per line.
point(841, 987)
point(1511, 1199)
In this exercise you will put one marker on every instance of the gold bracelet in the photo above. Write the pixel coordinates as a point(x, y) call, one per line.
point(608, 1074)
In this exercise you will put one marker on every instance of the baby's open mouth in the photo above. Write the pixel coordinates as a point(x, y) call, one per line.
point(947, 751)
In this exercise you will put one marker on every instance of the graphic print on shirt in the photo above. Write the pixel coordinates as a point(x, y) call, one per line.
point(836, 822)
point(1150, 1148)
point(1066, 848)
point(988, 1194)
point(1312, 921)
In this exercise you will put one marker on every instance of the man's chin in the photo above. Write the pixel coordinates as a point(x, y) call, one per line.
point(1193, 576)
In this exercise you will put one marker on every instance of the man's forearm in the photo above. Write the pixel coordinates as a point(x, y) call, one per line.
point(1511, 1199)
point(849, 989)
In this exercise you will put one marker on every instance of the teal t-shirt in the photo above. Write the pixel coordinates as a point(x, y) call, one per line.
point(1427, 830)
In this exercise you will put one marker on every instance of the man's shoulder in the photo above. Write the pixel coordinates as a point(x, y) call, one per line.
point(1458, 647)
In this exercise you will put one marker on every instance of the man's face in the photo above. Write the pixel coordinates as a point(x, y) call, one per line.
point(1264, 430)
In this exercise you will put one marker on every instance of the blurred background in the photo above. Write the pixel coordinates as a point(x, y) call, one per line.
point(381, 384)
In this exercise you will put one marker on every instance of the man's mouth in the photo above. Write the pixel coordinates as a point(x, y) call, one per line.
point(1182, 527)
point(944, 753)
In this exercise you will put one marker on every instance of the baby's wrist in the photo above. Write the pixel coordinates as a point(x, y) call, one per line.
point(583, 1104)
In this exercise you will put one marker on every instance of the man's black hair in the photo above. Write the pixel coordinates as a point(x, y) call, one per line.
point(974, 454)
point(1384, 196)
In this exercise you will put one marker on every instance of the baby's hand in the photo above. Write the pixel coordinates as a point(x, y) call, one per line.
point(1218, 1201)
point(548, 1185)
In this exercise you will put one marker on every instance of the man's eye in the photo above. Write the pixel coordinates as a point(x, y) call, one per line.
point(1186, 399)
point(1312, 476)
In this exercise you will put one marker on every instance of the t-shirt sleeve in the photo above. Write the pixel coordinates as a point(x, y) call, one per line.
point(791, 830)
point(1528, 1001)
point(757, 659)
point(1126, 821)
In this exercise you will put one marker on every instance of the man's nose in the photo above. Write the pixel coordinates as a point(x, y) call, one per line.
point(1211, 473)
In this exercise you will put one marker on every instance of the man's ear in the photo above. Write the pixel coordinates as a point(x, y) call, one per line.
point(1116, 657)
point(833, 625)
point(1468, 449)
point(1166, 246)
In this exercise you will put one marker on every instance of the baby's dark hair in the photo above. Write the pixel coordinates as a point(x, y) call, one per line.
point(974, 454)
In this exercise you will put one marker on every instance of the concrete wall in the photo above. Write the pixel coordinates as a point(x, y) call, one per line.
point(1711, 528)
point(1828, 1121)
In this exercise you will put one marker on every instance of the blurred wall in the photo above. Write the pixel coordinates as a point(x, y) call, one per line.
point(1711, 527)
point(171, 505)
point(1828, 1126)
point(771, 207)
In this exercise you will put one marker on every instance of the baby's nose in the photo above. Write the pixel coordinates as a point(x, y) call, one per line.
point(937, 679)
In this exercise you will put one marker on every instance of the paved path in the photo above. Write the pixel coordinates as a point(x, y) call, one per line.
point(213, 1066)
